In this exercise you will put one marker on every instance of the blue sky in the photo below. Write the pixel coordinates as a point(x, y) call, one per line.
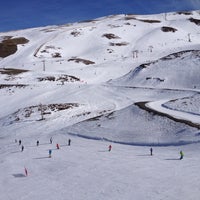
point(21, 14)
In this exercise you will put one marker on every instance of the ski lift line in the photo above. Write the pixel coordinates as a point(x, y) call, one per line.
point(37, 62)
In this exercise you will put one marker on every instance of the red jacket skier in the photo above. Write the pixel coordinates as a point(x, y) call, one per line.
point(109, 148)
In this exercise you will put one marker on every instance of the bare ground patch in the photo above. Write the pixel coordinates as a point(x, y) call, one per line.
point(110, 36)
point(184, 13)
point(81, 60)
point(62, 78)
point(168, 29)
point(35, 112)
point(9, 45)
point(12, 71)
point(118, 44)
point(196, 21)
point(133, 17)
point(12, 85)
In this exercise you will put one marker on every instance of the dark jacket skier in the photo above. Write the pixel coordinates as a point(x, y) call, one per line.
point(22, 148)
point(69, 142)
point(151, 151)
point(50, 151)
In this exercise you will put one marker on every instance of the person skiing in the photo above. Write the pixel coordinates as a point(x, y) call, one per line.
point(151, 151)
point(109, 147)
point(20, 142)
point(50, 151)
point(22, 148)
point(57, 146)
point(69, 142)
point(38, 142)
point(26, 171)
point(51, 140)
point(181, 155)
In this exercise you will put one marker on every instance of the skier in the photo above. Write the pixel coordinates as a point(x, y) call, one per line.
point(69, 142)
point(181, 155)
point(38, 142)
point(20, 142)
point(151, 151)
point(109, 147)
point(51, 140)
point(50, 151)
point(22, 148)
point(57, 146)
point(26, 171)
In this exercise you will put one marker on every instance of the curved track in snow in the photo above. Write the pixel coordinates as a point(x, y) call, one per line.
point(178, 116)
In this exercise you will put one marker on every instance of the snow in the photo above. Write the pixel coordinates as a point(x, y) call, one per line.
point(131, 102)
point(86, 170)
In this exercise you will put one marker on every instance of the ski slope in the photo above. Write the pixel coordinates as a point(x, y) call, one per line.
point(86, 170)
point(131, 81)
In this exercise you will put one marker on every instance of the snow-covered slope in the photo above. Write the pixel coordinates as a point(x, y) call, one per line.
point(126, 79)
point(177, 70)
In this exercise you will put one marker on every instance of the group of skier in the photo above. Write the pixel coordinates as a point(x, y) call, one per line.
point(57, 146)
point(181, 153)
point(38, 142)
point(69, 144)
point(20, 144)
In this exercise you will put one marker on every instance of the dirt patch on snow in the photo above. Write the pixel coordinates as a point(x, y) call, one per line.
point(62, 78)
point(12, 71)
point(80, 60)
point(168, 29)
point(12, 85)
point(196, 21)
point(133, 17)
point(118, 44)
point(9, 45)
point(35, 112)
point(110, 36)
